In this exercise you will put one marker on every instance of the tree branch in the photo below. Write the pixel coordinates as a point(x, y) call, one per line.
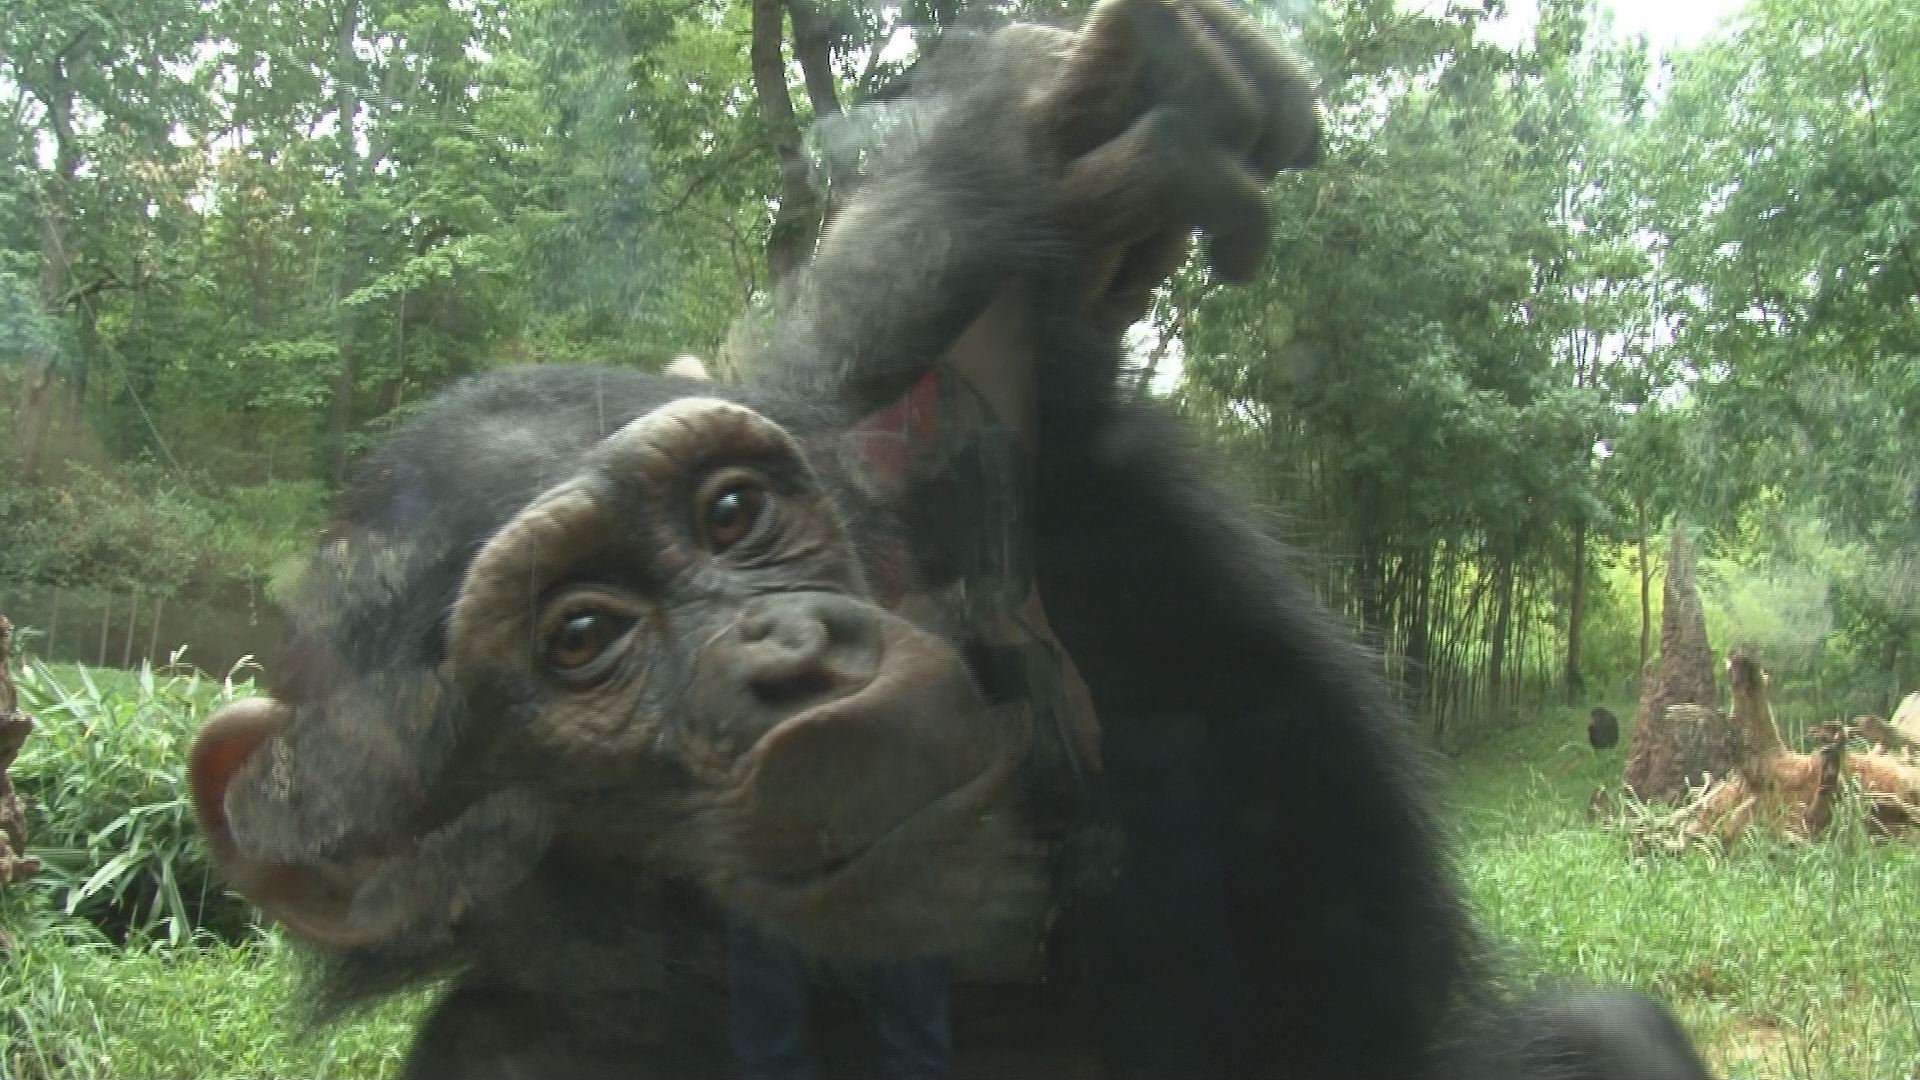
point(814, 39)
point(107, 280)
point(791, 238)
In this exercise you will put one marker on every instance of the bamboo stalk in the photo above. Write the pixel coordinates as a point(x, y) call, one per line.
point(153, 635)
point(133, 620)
point(106, 623)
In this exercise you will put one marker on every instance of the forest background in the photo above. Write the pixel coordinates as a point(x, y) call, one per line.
point(1545, 299)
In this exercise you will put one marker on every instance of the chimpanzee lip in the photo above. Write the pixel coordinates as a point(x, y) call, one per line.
point(968, 798)
point(921, 693)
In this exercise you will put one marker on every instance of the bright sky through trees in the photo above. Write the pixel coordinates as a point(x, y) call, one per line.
point(1667, 23)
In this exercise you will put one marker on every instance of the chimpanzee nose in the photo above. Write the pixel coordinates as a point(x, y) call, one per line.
point(799, 648)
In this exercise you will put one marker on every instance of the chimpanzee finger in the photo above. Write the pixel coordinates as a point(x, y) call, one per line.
point(1236, 255)
point(1188, 66)
point(1133, 55)
point(1166, 171)
point(1117, 194)
point(1289, 118)
point(1087, 100)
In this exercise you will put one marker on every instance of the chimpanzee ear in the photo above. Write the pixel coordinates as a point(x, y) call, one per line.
point(310, 899)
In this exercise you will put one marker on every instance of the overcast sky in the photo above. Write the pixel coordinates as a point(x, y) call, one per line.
point(1671, 22)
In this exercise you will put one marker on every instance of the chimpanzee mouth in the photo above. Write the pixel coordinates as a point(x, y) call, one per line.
point(888, 772)
point(936, 825)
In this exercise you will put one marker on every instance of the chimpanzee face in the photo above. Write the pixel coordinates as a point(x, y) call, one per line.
point(670, 656)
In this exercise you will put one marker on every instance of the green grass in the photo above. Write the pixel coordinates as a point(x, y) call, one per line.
point(1784, 960)
point(74, 1007)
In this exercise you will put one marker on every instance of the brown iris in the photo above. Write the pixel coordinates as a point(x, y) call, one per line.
point(730, 512)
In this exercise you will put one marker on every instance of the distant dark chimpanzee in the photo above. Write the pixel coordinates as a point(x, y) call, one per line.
point(1603, 729)
point(587, 643)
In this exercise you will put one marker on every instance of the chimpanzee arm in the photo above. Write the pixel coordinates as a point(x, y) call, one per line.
point(1284, 900)
point(1052, 179)
point(1283, 906)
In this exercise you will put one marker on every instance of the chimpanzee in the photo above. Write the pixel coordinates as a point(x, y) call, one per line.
point(929, 640)
point(1603, 728)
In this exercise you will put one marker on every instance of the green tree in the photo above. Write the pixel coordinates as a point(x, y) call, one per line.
point(98, 89)
point(1785, 197)
point(1428, 367)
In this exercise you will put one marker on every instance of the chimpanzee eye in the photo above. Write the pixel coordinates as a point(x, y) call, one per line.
point(730, 514)
point(583, 637)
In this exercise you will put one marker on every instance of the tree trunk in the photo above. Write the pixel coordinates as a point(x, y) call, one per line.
point(1576, 612)
point(9, 698)
point(1646, 599)
point(1890, 671)
point(395, 385)
point(106, 624)
point(153, 634)
point(346, 276)
point(14, 728)
point(1370, 585)
point(1667, 754)
point(133, 622)
point(797, 221)
point(70, 412)
point(41, 391)
point(1419, 646)
point(141, 366)
point(815, 37)
point(1502, 627)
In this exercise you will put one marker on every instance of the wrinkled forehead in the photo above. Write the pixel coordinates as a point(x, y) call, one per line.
point(408, 529)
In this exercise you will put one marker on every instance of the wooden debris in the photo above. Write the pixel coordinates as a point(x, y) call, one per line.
point(1790, 791)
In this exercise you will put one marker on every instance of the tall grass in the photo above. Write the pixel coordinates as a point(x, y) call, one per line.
point(129, 957)
point(74, 1005)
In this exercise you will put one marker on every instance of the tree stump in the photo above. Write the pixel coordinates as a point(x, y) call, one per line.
point(1668, 753)
point(1879, 733)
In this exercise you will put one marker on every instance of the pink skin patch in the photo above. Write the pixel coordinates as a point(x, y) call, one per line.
point(888, 443)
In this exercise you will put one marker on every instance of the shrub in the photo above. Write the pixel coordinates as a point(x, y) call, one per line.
point(111, 820)
point(142, 529)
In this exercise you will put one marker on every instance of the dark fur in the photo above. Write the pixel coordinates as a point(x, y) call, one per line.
point(1285, 905)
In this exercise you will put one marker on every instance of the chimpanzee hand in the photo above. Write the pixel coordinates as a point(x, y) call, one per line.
point(1170, 115)
point(1042, 172)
